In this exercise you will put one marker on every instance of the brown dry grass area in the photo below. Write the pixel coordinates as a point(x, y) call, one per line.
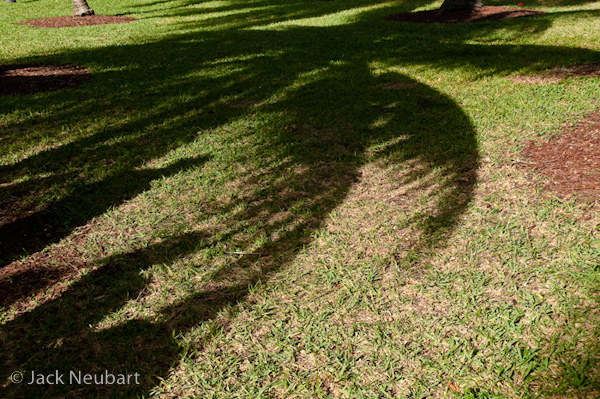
point(70, 22)
point(571, 162)
point(28, 79)
point(452, 17)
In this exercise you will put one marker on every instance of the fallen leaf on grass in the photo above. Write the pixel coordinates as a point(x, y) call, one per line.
point(453, 387)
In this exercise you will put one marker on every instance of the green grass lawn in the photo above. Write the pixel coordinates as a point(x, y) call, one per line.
point(297, 199)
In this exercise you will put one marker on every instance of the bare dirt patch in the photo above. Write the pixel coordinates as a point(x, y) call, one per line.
point(399, 85)
point(452, 17)
point(44, 275)
point(571, 161)
point(590, 70)
point(557, 74)
point(27, 79)
point(70, 22)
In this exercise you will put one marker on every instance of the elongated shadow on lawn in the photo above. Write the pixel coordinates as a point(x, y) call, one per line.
point(138, 141)
point(41, 227)
point(320, 148)
point(320, 145)
point(31, 233)
point(540, 3)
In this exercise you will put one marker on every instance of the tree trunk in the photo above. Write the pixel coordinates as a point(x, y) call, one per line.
point(453, 5)
point(81, 8)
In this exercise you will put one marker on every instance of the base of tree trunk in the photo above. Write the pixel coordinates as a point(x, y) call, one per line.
point(456, 5)
point(83, 13)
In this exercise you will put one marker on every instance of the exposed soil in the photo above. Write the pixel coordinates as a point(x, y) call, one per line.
point(558, 74)
point(42, 270)
point(27, 79)
point(44, 275)
point(69, 22)
point(452, 17)
point(571, 161)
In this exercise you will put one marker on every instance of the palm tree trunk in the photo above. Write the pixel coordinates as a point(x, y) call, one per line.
point(81, 8)
point(453, 5)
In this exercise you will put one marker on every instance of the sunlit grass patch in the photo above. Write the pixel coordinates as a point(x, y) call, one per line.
point(334, 19)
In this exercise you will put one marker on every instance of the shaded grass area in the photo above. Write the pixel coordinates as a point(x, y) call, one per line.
point(282, 199)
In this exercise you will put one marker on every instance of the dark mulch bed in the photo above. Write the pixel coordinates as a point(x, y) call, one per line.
point(571, 161)
point(27, 79)
point(592, 70)
point(69, 22)
point(452, 17)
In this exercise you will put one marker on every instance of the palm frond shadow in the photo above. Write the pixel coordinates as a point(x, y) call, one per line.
point(323, 164)
point(320, 146)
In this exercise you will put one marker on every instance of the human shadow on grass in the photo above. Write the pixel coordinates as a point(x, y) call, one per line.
point(319, 149)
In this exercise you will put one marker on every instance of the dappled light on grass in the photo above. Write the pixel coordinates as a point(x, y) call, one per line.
point(339, 18)
point(299, 206)
point(267, 183)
